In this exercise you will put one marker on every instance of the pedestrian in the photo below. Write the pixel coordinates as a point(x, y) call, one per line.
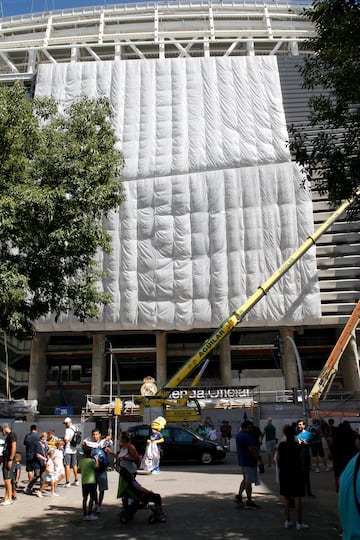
point(17, 474)
point(59, 461)
point(41, 450)
point(317, 449)
point(87, 468)
point(289, 457)
point(304, 437)
point(30, 441)
point(51, 437)
point(70, 453)
point(270, 441)
point(9, 464)
point(248, 458)
point(100, 446)
point(225, 430)
point(48, 477)
point(345, 446)
point(349, 500)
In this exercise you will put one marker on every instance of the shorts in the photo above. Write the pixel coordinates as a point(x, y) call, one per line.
point(8, 474)
point(317, 450)
point(102, 480)
point(251, 475)
point(70, 460)
point(30, 466)
point(270, 446)
point(89, 489)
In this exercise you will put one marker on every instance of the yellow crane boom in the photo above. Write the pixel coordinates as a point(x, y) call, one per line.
point(161, 397)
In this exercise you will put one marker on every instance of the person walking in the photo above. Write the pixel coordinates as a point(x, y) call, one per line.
point(248, 458)
point(9, 464)
point(41, 450)
point(100, 447)
point(30, 441)
point(304, 438)
point(289, 457)
point(270, 441)
point(87, 468)
point(70, 453)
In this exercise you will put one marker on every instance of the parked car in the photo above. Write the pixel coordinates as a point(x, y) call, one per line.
point(181, 444)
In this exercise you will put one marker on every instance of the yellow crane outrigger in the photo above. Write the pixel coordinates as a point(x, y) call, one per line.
point(176, 409)
point(332, 364)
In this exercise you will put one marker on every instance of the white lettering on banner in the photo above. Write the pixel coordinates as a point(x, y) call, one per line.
point(212, 393)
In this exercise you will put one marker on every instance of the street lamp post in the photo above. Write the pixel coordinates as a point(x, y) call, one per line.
point(300, 374)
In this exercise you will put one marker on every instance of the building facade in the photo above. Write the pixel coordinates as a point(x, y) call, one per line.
point(204, 93)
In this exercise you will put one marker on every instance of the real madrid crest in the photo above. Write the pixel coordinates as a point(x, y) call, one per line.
point(148, 388)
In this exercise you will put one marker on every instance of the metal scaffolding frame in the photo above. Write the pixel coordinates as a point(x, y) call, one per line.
point(151, 30)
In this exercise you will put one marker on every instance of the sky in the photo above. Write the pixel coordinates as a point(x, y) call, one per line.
point(17, 7)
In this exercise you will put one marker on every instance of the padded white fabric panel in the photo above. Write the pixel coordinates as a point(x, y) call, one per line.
point(214, 205)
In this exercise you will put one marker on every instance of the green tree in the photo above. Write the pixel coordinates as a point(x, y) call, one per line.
point(331, 157)
point(59, 176)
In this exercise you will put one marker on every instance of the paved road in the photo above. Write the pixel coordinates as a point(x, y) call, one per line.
point(198, 501)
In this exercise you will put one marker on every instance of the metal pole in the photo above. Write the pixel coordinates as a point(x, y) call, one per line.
point(300, 373)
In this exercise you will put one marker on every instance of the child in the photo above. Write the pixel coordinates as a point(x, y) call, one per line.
point(16, 477)
point(59, 461)
point(49, 475)
point(87, 468)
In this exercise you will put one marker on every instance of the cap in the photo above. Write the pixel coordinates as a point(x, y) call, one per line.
point(4, 426)
point(67, 419)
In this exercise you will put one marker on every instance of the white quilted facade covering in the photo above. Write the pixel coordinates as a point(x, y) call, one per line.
point(213, 203)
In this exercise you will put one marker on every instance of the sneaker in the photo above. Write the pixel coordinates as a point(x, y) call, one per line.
point(317, 469)
point(55, 495)
point(28, 491)
point(301, 526)
point(39, 494)
point(76, 483)
point(5, 503)
point(238, 500)
point(91, 517)
point(251, 504)
point(67, 485)
point(98, 509)
point(288, 524)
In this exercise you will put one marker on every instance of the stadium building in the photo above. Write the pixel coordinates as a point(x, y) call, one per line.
point(204, 93)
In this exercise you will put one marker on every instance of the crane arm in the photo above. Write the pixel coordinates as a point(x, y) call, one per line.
point(332, 363)
point(237, 316)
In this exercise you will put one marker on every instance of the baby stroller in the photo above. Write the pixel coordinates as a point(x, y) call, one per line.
point(135, 497)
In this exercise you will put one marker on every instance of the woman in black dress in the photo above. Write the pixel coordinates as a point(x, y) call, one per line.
point(291, 477)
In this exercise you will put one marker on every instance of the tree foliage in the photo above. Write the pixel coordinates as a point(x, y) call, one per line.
point(59, 175)
point(331, 158)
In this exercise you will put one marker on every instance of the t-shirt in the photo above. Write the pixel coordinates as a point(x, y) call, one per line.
point(69, 433)
point(270, 432)
point(30, 441)
point(245, 457)
point(348, 512)
point(306, 437)
point(87, 467)
point(10, 438)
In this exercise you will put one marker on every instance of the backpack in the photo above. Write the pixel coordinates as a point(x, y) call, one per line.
point(76, 438)
point(102, 456)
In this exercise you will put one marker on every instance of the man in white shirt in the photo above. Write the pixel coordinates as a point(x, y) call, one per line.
point(70, 453)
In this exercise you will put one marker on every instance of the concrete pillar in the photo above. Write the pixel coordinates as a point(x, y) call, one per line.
point(349, 365)
point(38, 369)
point(161, 359)
point(225, 362)
point(288, 360)
point(99, 360)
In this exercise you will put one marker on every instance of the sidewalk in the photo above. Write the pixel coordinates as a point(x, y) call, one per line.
point(198, 501)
